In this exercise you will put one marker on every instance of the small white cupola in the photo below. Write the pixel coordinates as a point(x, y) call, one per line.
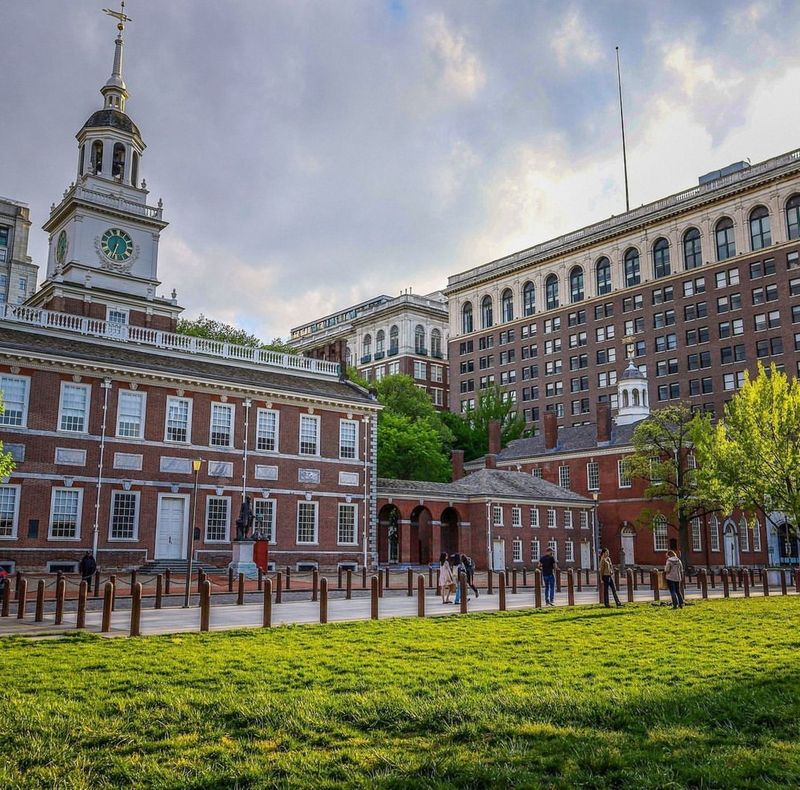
point(634, 403)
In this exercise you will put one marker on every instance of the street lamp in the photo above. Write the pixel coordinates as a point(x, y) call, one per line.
point(196, 464)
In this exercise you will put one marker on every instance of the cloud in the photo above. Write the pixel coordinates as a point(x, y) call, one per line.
point(454, 67)
point(574, 42)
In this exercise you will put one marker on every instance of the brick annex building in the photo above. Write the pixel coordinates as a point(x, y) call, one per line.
point(106, 407)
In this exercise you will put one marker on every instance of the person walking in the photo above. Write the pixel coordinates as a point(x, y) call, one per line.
point(607, 575)
point(547, 565)
point(445, 578)
point(673, 571)
point(87, 567)
point(469, 567)
point(458, 571)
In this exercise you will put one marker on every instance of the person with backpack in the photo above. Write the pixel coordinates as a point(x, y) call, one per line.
point(469, 567)
point(547, 565)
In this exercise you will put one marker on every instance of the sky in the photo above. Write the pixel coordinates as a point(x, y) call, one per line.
point(314, 154)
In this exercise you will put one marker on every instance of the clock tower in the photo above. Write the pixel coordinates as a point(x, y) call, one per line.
point(103, 251)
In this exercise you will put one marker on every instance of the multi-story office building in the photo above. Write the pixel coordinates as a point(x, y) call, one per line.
point(17, 270)
point(697, 287)
point(383, 336)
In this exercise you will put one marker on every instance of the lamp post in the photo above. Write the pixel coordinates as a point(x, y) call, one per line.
point(196, 464)
point(595, 530)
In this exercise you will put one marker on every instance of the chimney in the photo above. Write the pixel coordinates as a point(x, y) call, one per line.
point(494, 444)
point(603, 422)
point(458, 464)
point(550, 430)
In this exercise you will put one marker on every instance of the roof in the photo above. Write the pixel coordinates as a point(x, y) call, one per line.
point(632, 372)
point(113, 118)
point(175, 363)
point(482, 484)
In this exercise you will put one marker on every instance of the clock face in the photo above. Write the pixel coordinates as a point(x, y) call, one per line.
point(61, 247)
point(116, 244)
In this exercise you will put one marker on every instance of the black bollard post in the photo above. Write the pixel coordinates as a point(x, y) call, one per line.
point(159, 591)
point(349, 582)
point(239, 592)
point(501, 591)
point(108, 597)
point(266, 618)
point(83, 591)
point(571, 587)
point(61, 591)
point(136, 609)
point(537, 588)
point(374, 598)
point(323, 600)
point(39, 616)
point(420, 596)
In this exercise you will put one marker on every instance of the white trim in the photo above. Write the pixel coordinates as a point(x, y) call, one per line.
point(143, 397)
point(78, 515)
point(185, 526)
point(315, 505)
point(25, 400)
point(274, 523)
point(318, 421)
point(342, 421)
point(172, 442)
point(231, 407)
point(15, 517)
point(137, 499)
point(85, 428)
point(276, 412)
point(354, 507)
point(227, 539)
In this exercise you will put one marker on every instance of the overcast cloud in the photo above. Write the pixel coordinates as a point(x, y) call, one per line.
point(313, 154)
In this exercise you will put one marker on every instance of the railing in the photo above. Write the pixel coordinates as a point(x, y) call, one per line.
point(168, 341)
point(114, 201)
point(366, 358)
point(379, 355)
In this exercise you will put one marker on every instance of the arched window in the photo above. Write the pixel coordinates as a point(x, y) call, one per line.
point(661, 264)
point(134, 168)
point(367, 347)
point(394, 340)
point(486, 312)
point(576, 291)
point(633, 273)
point(528, 298)
point(551, 291)
point(692, 249)
point(636, 397)
point(644, 397)
point(793, 217)
point(760, 232)
point(507, 305)
point(81, 156)
point(97, 156)
point(380, 341)
point(466, 318)
point(118, 161)
point(726, 244)
point(436, 343)
point(603, 275)
point(419, 339)
point(625, 399)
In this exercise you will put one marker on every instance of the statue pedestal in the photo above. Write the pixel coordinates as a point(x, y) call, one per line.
point(243, 558)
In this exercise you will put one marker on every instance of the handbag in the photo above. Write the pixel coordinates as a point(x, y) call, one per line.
point(452, 587)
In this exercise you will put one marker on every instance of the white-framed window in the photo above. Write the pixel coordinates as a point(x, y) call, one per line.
point(569, 551)
point(348, 439)
point(9, 511)
point(593, 476)
point(393, 368)
point(553, 544)
point(713, 528)
point(584, 519)
point(117, 316)
point(309, 434)
point(497, 516)
point(420, 370)
point(267, 428)
point(221, 432)
point(756, 536)
point(177, 427)
point(218, 519)
point(551, 518)
point(130, 414)
point(534, 517)
point(744, 535)
point(307, 522)
point(516, 550)
point(124, 521)
point(563, 476)
point(65, 513)
point(622, 474)
point(535, 550)
point(660, 542)
point(697, 535)
point(73, 408)
point(265, 514)
point(437, 374)
point(568, 519)
point(346, 533)
point(437, 396)
point(15, 391)
point(516, 516)
point(537, 472)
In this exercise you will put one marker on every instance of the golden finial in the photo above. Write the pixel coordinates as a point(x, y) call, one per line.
point(120, 16)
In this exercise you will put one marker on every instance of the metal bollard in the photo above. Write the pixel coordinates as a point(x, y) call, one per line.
point(703, 578)
point(513, 581)
point(22, 598)
point(167, 579)
point(136, 609)
point(80, 619)
point(239, 592)
point(288, 578)
point(420, 596)
point(201, 577)
point(260, 580)
point(765, 583)
point(571, 587)
point(323, 600)
point(711, 578)
point(784, 591)
point(501, 591)
point(113, 581)
point(558, 579)
point(746, 584)
point(61, 592)
point(339, 585)
point(629, 584)
point(230, 580)
point(462, 583)
point(489, 582)
point(266, 617)
point(578, 574)
point(600, 597)
point(159, 591)
point(39, 616)
point(364, 578)
point(374, 598)
point(108, 598)
point(348, 585)
point(410, 583)
point(278, 587)
point(314, 584)
point(726, 589)
point(524, 576)
point(17, 580)
point(133, 580)
point(654, 585)
point(388, 580)
point(205, 606)
point(537, 588)
point(380, 584)
point(430, 577)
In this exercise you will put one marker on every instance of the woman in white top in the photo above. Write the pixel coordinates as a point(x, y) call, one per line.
point(445, 578)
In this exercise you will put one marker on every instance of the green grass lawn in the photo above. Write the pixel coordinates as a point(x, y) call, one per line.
point(638, 697)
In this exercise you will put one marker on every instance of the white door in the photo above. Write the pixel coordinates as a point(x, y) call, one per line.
point(729, 539)
point(171, 527)
point(586, 554)
point(627, 546)
point(498, 554)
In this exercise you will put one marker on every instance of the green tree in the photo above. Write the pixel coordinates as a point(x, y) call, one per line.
point(227, 333)
point(411, 449)
point(6, 461)
point(471, 430)
point(750, 460)
point(664, 458)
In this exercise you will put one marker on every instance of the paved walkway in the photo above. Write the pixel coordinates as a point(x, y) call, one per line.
point(227, 616)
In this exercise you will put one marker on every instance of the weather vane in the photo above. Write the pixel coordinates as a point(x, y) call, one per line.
point(120, 15)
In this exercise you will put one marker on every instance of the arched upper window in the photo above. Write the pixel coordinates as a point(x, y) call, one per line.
point(134, 168)
point(80, 159)
point(551, 291)
point(419, 339)
point(528, 298)
point(760, 231)
point(487, 318)
point(436, 343)
point(692, 249)
point(603, 275)
point(380, 342)
point(466, 318)
point(97, 156)
point(726, 244)
point(793, 217)
point(635, 397)
point(576, 290)
point(661, 264)
point(394, 340)
point(507, 305)
point(367, 345)
point(118, 161)
point(633, 269)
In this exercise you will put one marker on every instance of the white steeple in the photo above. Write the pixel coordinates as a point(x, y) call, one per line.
point(115, 91)
point(634, 403)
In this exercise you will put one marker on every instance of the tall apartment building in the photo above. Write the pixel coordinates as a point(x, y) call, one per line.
point(17, 270)
point(697, 287)
point(383, 336)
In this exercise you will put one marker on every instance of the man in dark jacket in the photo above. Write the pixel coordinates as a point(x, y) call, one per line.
point(469, 568)
point(547, 565)
point(87, 567)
